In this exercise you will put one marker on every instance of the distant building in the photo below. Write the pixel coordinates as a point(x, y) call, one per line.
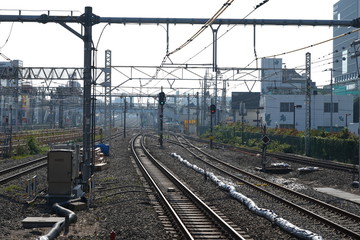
point(245, 104)
point(283, 100)
point(10, 110)
point(279, 111)
point(345, 67)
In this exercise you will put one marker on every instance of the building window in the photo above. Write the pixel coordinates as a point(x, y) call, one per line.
point(286, 107)
point(328, 105)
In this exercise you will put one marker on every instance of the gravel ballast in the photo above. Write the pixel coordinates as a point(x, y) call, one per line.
point(128, 210)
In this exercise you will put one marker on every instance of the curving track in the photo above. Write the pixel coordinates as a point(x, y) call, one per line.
point(192, 216)
point(331, 217)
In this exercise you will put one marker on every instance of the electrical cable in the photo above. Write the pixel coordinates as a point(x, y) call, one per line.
point(202, 29)
point(7, 39)
point(313, 45)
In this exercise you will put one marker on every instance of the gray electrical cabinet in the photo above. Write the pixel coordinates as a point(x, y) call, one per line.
point(61, 172)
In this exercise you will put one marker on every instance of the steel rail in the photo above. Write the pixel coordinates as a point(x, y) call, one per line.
point(19, 174)
point(162, 198)
point(280, 199)
point(230, 231)
point(4, 171)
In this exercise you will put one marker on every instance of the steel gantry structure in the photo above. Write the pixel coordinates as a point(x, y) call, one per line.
point(88, 20)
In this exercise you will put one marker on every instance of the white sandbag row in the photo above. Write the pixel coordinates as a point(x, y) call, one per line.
point(250, 204)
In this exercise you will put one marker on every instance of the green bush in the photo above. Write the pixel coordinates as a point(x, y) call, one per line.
point(22, 150)
point(341, 146)
point(33, 145)
point(280, 147)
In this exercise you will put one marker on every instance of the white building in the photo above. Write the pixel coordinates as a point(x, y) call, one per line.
point(283, 100)
point(279, 111)
point(9, 97)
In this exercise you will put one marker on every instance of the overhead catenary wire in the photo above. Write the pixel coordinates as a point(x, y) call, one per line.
point(6, 41)
point(202, 29)
point(210, 44)
point(313, 45)
point(303, 48)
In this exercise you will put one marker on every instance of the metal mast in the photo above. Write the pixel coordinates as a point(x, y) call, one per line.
point(223, 102)
point(108, 104)
point(307, 103)
point(215, 68)
point(88, 23)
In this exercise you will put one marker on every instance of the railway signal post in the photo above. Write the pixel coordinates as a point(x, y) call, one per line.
point(265, 139)
point(162, 100)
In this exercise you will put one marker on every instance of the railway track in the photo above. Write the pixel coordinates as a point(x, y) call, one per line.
point(331, 217)
point(194, 219)
point(9, 174)
point(21, 169)
point(291, 158)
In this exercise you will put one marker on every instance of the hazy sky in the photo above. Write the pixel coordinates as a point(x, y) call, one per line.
point(52, 45)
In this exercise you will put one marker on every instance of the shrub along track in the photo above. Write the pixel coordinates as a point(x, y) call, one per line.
point(289, 157)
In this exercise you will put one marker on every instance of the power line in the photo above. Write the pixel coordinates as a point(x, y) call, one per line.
point(7, 39)
point(202, 29)
point(313, 45)
point(167, 55)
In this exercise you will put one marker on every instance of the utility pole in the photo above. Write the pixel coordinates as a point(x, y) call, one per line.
point(212, 113)
point(242, 110)
point(205, 93)
point(125, 107)
point(108, 100)
point(61, 108)
point(357, 54)
point(197, 113)
point(11, 130)
point(331, 100)
point(307, 103)
point(223, 103)
point(87, 38)
point(188, 114)
point(215, 67)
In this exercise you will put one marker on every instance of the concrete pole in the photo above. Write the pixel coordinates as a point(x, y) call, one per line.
point(197, 114)
point(331, 100)
point(188, 114)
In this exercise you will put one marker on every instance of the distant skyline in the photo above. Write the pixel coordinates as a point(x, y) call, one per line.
point(44, 45)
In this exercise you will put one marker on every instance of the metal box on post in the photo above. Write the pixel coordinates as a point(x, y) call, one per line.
point(61, 172)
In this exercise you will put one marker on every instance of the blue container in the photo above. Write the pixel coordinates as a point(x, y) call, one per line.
point(105, 149)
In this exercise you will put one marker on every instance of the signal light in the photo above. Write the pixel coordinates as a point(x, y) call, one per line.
point(162, 98)
point(212, 108)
